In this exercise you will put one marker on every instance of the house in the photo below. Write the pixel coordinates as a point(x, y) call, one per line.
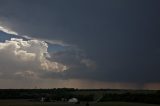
point(73, 100)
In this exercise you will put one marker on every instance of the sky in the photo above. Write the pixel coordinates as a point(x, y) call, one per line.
point(80, 44)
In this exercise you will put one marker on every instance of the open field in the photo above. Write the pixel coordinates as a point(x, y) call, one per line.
point(29, 103)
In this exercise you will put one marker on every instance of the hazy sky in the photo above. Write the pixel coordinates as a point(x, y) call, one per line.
point(80, 43)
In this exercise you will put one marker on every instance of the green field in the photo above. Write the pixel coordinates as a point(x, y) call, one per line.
point(28, 103)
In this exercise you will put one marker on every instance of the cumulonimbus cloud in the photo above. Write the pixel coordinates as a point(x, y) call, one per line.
point(19, 57)
point(29, 58)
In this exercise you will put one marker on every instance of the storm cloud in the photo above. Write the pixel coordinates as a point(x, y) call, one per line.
point(101, 41)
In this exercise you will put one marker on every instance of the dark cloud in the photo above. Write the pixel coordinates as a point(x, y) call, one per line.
point(121, 37)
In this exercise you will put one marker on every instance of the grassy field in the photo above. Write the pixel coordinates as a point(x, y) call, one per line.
point(28, 103)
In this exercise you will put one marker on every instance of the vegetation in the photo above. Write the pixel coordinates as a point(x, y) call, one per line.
point(83, 95)
point(28, 103)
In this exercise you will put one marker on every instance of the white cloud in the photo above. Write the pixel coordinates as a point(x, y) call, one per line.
point(18, 56)
point(8, 31)
point(11, 32)
point(29, 58)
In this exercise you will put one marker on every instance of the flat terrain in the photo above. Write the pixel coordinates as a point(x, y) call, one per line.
point(29, 103)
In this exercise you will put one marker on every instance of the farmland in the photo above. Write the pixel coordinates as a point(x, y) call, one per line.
point(95, 97)
point(29, 103)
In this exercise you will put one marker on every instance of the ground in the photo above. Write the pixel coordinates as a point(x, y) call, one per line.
point(29, 103)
